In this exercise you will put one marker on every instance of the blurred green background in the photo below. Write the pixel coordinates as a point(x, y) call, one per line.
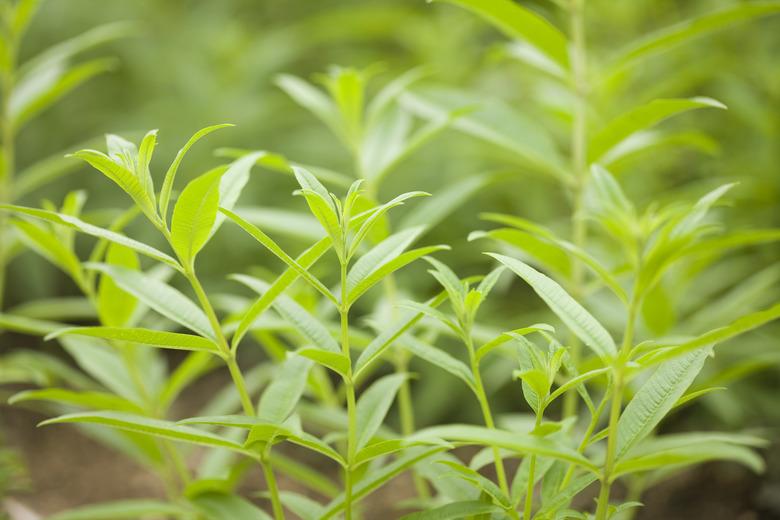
point(194, 63)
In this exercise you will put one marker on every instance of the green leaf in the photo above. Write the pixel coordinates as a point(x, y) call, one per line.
point(215, 505)
point(115, 306)
point(42, 87)
point(320, 204)
point(388, 335)
point(312, 99)
point(335, 361)
point(146, 425)
point(124, 177)
point(145, 152)
point(373, 405)
point(386, 250)
point(311, 328)
point(266, 433)
point(669, 37)
point(439, 358)
point(493, 121)
point(194, 215)
point(86, 399)
point(642, 118)
point(305, 260)
point(48, 245)
point(277, 251)
point(282, 395)
point(430, 212)
point(521, 23)
point(691, 448)
point(303, 506)
point(455, 511)
point(388, 268)
point(579, 320)
point(27, 325)
point(148, 337)
point(131, 509)
point(656, 398)
point(170, 175)
point(159, 296)
point(375, 216)
point(98, 232)
point(499, 340)
point(521, 443)
point(375, 479)
point(739, 326)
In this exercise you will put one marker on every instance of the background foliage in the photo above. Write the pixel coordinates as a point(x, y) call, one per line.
point(190, 64)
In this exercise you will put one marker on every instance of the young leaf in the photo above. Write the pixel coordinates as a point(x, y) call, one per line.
point(387, 249)
point(170, 175)
point(194, 215)
point(579, 320)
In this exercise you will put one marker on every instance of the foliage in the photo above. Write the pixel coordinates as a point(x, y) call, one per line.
point(342, 326)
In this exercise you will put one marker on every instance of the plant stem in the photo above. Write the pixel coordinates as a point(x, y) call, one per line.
point(602, 507)
point(351, 402)
point(579, 150)
point(529, 492)
point(7, 158)
point(273, 489)
point(487, 415)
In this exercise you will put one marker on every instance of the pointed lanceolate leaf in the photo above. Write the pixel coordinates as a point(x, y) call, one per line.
point(642, 118)
point(456, 511)
point(121, 509)
point(656, 398)
point(387, 249)
point(194, 215)
point(114, 305)
point(579, 320)
point(311, 328)
point(170, 175)
point(159, 296)
point(152, 338)
point(95, 231)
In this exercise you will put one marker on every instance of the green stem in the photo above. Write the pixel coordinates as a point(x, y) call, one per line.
point(579, 147)
point(486, 413)
point(7, 161)
point(529, 492)
point(602, 507)
point(351, 401)
point(273, 489)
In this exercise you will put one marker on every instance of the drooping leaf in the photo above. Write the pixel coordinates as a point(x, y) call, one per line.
point(152, 338)
point(159, 296)
point(284, 392)
point(114, 305)
point(440, 359)
point(642, 118)
point(579, 320)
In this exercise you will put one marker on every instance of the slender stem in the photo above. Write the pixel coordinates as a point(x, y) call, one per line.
point(7, 159)
point(602, 507)
point(579, 150)
point(594, 421)
point(238, 380)
point(273, 489)
point(487, 415)
point(529, 492)
point(351, 401)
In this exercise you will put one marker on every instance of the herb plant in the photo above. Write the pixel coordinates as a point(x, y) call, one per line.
point(341, 331)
